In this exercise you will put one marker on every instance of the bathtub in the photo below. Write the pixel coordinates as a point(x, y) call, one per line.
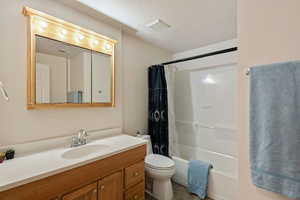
point(222, 185)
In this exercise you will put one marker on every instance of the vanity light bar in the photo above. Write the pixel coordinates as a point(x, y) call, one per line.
point(44, 25)
point(52, 27)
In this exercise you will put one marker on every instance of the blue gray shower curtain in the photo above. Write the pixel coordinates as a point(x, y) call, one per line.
point(158, 110)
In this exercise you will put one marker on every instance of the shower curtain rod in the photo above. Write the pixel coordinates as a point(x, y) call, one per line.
point(201, 56)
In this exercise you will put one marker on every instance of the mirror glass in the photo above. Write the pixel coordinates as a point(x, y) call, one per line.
point(71, 74)
point(101, 77)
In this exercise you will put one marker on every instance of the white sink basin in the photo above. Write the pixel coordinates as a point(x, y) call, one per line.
point(79, 152)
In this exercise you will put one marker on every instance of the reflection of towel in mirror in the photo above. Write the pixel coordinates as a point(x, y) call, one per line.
point(198, 177)
point(75, 97)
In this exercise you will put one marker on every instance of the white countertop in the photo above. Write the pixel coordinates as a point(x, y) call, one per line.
point(35, 166)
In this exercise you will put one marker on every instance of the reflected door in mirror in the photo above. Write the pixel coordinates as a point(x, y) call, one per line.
point(101, 78)
point(42, 83)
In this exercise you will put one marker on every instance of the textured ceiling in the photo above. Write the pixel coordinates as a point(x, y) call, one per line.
point(194, 23)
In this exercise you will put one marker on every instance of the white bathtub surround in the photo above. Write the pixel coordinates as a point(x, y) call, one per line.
point(221, 186)
point(31, 167)
point(206, 117)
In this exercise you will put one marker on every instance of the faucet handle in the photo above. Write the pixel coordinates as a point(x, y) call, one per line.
point(83, 132)
point(75, 141)
point(82, 136)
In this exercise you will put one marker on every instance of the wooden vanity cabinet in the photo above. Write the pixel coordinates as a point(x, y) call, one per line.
point(134, 174)
point(135, 193)
point(88, 192)
point(108, 188)
point(111, 187)
point(117, 177)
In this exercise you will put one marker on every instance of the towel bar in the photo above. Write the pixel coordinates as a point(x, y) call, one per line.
point(248, 71)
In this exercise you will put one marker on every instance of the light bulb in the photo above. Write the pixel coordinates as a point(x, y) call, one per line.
point(107, 46)
point(40, 29)
point(43, 24)
point(64, 31)
point(80, 37)
point(96, 42)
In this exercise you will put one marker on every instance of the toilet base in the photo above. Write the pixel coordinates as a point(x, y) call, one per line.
point(159, 181)
point(162, 189)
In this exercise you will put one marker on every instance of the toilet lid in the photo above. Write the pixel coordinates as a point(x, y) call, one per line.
point(159, 162)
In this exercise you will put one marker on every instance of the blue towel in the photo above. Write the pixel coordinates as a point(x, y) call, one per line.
point(198, 178)
point(275, 128)
point(75, 96)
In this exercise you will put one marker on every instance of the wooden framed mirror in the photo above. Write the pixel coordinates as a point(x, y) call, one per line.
point(68, 66)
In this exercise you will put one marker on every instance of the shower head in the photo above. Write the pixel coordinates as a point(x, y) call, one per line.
point(4, 93)
point(62, 51)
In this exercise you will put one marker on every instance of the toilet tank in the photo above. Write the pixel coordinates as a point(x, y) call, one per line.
point(149, 144)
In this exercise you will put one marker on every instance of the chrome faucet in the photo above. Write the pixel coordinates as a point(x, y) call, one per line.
point(3, 91)
point(80, 139)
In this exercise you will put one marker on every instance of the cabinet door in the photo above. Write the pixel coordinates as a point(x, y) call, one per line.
point(56, 198)
point(111, 187)
point(88, 192)
point(136, 192)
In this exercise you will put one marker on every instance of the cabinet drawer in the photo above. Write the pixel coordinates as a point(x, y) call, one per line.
point(88, 192)
point(134, 174)
point(136, 193)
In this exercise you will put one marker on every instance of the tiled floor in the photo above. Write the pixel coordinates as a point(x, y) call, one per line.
point(180, 193)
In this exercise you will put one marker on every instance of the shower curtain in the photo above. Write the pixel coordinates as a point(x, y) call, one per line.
point(170, 79)
point(158, 110)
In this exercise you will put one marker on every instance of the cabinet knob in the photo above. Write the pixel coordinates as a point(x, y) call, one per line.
point(95, 191)
point(102, 187)
point(136, 174)
point(135, 197)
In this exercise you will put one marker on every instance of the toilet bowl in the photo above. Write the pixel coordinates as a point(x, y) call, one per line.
point(159, 169)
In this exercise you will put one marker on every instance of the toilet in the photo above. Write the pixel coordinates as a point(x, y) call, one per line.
point(159, 170)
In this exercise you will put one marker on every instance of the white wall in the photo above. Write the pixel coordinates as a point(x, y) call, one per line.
point(268, 32)
point(137, 57)
point(18, 125)
point(58, 74)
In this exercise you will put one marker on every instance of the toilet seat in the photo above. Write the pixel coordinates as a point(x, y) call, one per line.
point(159, 162)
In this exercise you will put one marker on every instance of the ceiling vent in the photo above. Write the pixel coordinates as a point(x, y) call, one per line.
point(158, 25)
